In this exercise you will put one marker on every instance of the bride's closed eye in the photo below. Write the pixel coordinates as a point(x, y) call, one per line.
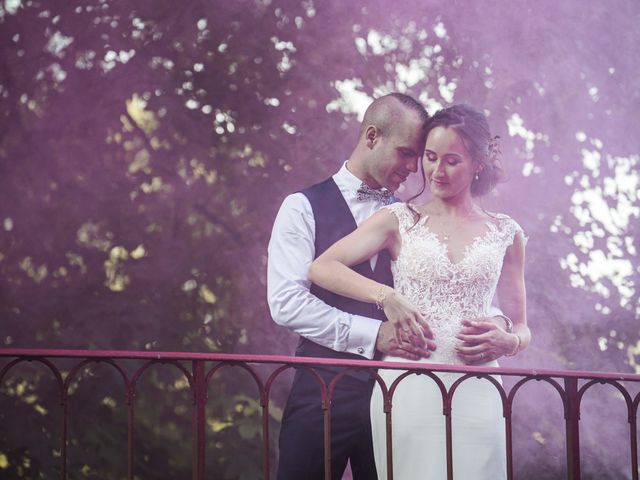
point(450, 159)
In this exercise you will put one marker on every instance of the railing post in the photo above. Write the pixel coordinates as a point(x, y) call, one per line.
point(130, 420)
point(448, 402)
point(509, 439)
point(265, 436)
point(65, 440)
point(327, 439)
point(633, 433)
point(388, 406)
point(572, 419)
point(199, 399)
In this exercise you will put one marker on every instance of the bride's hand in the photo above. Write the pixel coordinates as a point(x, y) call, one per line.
point(408, 322)
point(484, 341)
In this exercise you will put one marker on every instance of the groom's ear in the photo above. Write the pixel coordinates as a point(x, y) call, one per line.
point(372, 134)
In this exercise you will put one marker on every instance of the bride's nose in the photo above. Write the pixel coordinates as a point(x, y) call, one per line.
point(438, 171)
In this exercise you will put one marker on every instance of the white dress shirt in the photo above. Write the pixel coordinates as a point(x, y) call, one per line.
point(291, 251)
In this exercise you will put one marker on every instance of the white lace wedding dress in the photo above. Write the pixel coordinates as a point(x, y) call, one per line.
point(445, 292)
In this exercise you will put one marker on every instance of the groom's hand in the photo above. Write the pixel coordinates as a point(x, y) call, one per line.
point(483, 340)
point(411, 349)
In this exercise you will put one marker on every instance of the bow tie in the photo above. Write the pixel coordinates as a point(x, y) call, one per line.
point(365, 192)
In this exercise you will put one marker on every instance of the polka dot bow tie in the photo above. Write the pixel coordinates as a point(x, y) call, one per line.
point(365, 192)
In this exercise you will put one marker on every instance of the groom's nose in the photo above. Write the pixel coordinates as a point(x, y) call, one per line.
point(412, 165)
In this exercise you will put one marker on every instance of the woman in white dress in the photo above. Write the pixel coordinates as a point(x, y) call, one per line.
point(450, 258)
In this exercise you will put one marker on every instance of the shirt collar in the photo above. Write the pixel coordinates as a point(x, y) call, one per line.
point(347, 182)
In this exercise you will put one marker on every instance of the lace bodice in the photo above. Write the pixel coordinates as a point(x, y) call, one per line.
point(446, 292)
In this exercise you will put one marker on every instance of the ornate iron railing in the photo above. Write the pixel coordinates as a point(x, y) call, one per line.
point(570, 386)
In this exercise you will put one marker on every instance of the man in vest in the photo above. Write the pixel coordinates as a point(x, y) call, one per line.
point(390, 144)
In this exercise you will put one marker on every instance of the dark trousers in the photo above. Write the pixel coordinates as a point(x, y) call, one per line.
point(302, 432)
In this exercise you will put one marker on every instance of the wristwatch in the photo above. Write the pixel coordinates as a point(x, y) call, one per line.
point(508, 324)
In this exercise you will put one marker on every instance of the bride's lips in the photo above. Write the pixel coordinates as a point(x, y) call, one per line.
point(438, 182)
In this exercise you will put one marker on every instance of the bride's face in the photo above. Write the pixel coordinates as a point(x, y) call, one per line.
point(448, 166)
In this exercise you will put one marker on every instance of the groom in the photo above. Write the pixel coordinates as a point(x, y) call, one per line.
point(390, 144)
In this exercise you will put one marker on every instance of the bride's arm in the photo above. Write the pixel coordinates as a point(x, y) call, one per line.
point(512, 295)
point(331, 271)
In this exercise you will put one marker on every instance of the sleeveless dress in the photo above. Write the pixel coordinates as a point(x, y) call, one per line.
point(445, 293)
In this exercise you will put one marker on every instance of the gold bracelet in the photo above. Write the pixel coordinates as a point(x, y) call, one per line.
point(381, 296)
point(515, 350)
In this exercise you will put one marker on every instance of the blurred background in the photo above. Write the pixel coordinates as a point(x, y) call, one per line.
point(146, 146)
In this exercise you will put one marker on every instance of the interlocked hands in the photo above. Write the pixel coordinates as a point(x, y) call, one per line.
point(406, 333)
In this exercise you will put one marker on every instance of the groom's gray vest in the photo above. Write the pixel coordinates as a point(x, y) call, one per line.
point(333, 220)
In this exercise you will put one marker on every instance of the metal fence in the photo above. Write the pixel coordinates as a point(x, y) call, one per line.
point(199, 368)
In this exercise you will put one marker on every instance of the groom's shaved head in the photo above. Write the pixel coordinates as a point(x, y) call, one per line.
point(386, 112)
point(391, 142)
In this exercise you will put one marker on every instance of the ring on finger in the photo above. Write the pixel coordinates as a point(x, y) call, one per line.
point(481, 355)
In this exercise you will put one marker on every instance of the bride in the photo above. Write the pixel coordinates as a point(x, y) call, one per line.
point(450, 258)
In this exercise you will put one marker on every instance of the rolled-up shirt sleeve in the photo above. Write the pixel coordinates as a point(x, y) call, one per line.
point(291, 251)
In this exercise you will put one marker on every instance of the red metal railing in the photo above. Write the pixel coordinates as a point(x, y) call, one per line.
point(570, 385)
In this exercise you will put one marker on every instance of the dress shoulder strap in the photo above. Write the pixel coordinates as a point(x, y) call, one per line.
point(407, 218)
point(509, 227)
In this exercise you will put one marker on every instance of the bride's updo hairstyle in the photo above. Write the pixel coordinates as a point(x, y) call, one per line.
point(473, 129)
